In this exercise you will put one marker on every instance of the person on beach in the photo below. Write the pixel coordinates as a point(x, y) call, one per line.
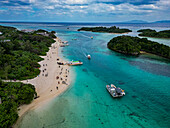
point(57, 87)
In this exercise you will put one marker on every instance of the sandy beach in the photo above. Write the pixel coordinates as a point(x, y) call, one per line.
point(52, 80)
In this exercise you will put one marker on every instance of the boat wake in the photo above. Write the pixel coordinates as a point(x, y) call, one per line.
point(84, 51)
point(86, 36)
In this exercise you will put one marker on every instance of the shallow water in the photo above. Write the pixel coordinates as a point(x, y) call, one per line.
point(145, 79)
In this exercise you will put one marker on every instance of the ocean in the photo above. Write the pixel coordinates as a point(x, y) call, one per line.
point(86, 103)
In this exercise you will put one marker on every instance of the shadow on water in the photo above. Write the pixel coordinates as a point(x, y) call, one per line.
point(153, 64)
point(152, 68)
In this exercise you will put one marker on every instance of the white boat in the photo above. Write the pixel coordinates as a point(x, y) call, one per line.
point(88, 56)
point(114, 91)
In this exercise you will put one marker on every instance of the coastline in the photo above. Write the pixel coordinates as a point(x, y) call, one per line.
point(154, 37)
point(121, 33)
point(52, 81)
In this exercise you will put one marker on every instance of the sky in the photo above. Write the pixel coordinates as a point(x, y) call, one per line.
point(84, 10)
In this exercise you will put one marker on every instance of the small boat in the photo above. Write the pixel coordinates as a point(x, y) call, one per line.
point(74, 39)
point(75, 63)
point(60, 63)
point(114, 91)
point(62, 45)
point(65, 42)
point(88, 56)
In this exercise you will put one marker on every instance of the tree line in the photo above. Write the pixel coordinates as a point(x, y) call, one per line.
point(154, 33)
point(112, 29)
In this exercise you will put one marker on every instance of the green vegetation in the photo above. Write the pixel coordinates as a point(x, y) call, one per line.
point(13, 95)
point(133, 45)
point(153, 33)
point(19, 52)
point(112, 29)
point(19, 57)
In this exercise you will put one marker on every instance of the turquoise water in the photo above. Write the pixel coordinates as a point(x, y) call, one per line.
point(87, 104)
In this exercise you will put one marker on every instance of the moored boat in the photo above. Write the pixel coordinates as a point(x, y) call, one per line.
point(114, 91)
point(75, 63)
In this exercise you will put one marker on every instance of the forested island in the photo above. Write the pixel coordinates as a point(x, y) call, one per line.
point(112, 29)
point(154, 33)
point(19, 57)
point(133, 45)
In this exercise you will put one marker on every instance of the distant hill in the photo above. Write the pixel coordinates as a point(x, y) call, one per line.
point(133, 21)
point(162, 21)
point(142, 21)
point(136, 21)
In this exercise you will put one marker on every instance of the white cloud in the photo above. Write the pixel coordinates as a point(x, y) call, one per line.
point(163, 4)
point(5, 1)
point(89, 7)
point(32, 1)
point(150, 6)
point(101, 7)
point(49, 7)
point(75, 1)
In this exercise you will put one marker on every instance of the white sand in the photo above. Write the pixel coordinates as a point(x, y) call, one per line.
point(46, 85)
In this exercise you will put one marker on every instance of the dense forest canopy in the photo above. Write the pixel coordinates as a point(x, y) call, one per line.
point(133, 46)
point(154, 33)
point(19, 57)
point(112, 29)
point(19, 52)
point(12, 95)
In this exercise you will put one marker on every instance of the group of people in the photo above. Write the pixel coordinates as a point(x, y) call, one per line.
point(60, 79)
point(46, 74)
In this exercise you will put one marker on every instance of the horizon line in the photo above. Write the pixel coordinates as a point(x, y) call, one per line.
point(21, 21)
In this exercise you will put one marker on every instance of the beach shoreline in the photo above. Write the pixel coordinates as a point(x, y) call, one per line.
point(52, 81)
